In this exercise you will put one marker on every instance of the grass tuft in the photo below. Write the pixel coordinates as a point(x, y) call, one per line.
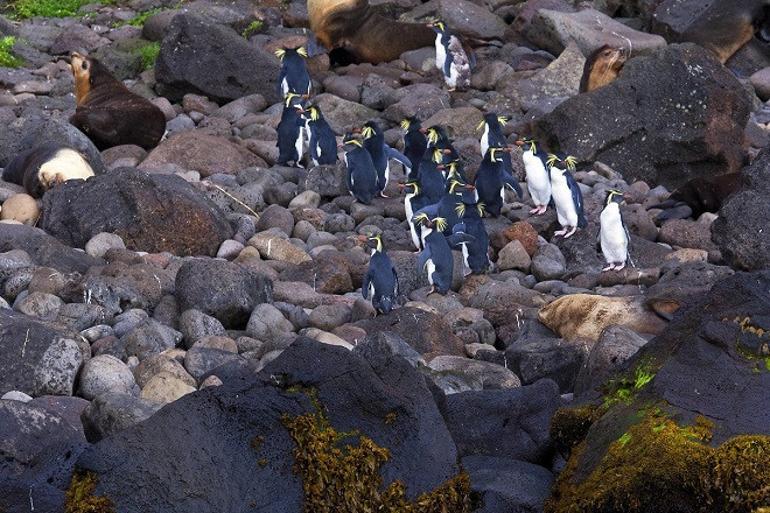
point(149, 54)
point(48, 8)
point(253, 27)
point(7, 58)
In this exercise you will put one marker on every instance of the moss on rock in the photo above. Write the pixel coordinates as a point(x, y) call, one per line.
point(80, 497)
point(569, 426)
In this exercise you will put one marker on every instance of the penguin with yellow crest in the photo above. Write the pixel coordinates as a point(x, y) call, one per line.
point(566, 195)
point(613, 234)
point(294, 77)
point(322, 142)
point(291, 131)
point(381, 280)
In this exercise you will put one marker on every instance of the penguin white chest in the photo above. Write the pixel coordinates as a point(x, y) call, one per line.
point(613, 237)
point(538, 182)
point(562, 197)
point(485, 140)
point(430, 267)
point(440, 53)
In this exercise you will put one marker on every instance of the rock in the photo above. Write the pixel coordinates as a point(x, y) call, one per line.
point(15, 395)
point(523, 232)
point(558, 81)
point(514, 256)
point(460, 121)
point(589, 29)
point(307, 199)
point(250, 416)
point(761, 82)
point(478, 375)
point(388, 345)
point(683, 284)
point(40, 447)
point(505, 484)
point(535, 358)
point(150, 337)
point(511, 423)
point(43, 249)
point(324, 337)
point(275, 216)
point(271, 247)
point(267, 322)
point(129, 203)
point(236, 291)
point(77, 37)
point(343, 115)
point(722, 28)
point(164, 388)
point(100, 243)
point(548, 263)
point(420, 100)
point(687, 234)
point(328, 181)
point(197, 151)
point(40, 305)
point(615, 346)
point(740, 231)
point(328, 317)
point(655, 91)
point(426, 332)
point(471, 19)
point(37, 359)
point(22, 208)
point(195, 325)
point(202, 359)
point(501, 302)
point(202, 57)
point(112, 412)
point(585, 316)
point(105, 374)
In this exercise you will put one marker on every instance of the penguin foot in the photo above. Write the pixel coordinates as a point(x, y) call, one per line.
point(571, 232)
point(383, 195)
point(620, 266)
point(560, 232)
point(543, 208)
point(610, 267)
point(535, 211)
point(432, 290)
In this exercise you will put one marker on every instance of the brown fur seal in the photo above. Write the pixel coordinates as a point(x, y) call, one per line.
point(585, 316)
point(108, 112)
point(361, 31)
point(602, 67)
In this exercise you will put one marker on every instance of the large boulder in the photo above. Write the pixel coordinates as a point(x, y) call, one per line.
point(722, 27)
point(152, 213)
point(707, 378)
point(508, 485)
point(741, 231)
point(43, 249)
point(36, 359)
point(202, 57)
point(669, 117)
point(197, 151)
point(41, 440)
point(224, 290)
point(249, 436)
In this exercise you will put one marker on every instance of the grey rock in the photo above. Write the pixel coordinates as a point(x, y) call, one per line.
point(58, 367)
point(473, 374)
point(196, 325)
point(616, 345)
point(150, 337)
point(505, 484)
point(40, 305)
point(200, 360)
point(100, 243)
point(548, 263)
point(267, 322)
point(105, 374)
point(112, 412)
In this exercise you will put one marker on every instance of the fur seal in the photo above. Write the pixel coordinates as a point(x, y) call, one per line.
point(585, 316)
point(602, 67)
point(42, 167)
point(364, 33)
point(108, 112)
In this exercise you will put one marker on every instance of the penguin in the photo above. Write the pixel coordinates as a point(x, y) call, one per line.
point(451, 58)
point(413, 201)
point(291, 131)
point(613, 234)
point(382, 154)
point(40, 168)
point(436, 259)
point(361, 176)
point(446, 208)
point(432, 181)
point(476, 252)
point(322, 140)
point(566, 196)
point(492, 124)
point(381, 280)
point(491, 181)
point(415, 145)
point(538, 178)
point(294, 77)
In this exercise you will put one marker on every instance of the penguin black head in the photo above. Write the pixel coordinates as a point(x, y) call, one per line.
point(568, 162)
point(375, 242)
point(410, 188)
point(454, 167)
point(350, 142)
point(528, 144)
point(294, 100)
point(281, 53)
point(411, 123)
point(438, 26)
point(496, 153)
point(437, 135)
point(370, 129)
point(311, 112)
point(614, 196)
point(492, 119)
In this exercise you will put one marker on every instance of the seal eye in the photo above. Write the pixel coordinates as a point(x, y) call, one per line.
point(84, 65)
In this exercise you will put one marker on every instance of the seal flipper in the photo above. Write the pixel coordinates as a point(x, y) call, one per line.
point(98, 125)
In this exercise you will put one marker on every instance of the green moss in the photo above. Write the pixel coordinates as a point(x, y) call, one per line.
point(149, 54)
point(80, 497)
point(141, 18)
point(48, 8)
point(253, 27)
point(342, 477)
point(7, 58)
point(625, 388)
point(659, 466)
point(569, 426)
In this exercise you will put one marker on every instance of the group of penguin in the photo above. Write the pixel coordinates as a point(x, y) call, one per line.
point(444, 210)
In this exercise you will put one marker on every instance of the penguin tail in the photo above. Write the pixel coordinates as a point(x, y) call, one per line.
point(582, 222)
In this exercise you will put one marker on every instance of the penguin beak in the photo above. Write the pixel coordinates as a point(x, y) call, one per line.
point(470, 187)
point(519, 143)
point(356, 130)
point(423, 131)
point(447, 151)
point(401, 186)
point(441, 167)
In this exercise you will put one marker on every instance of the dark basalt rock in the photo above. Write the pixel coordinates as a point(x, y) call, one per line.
point(45, 250)
point(669, 117)
point(152, 213)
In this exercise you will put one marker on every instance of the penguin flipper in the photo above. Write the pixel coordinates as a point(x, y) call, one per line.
point(395, 278)
point(394, 154)
point(365, 285)
point(458, 238)
point(430, 210)
point(511, 182)
point(458, 228)
point(422, 260)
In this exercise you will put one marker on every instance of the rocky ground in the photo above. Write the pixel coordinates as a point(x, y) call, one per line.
point(174, 331)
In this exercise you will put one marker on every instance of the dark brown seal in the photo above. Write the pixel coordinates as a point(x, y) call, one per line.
point(602, 67)
point(368, 36)
point(108, 112)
